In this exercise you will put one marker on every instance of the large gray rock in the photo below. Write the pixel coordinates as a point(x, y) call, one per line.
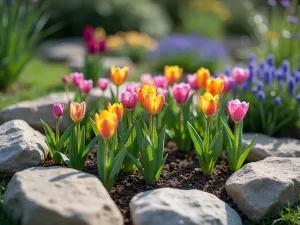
point(167, 206)
point(260, 188)
point(266, 146)
point(21, 147)
point(61, 196)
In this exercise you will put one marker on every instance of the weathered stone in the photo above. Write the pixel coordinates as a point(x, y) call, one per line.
point(169, 206)
point(260, 188)
point(56, 195)
point(21, 147)
point(266, 146)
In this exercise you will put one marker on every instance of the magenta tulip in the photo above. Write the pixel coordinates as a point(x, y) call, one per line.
point(88, 33)
point(146, 79)
point(237, 110)
point(102, 47)
point(240, 75)
point(86, 86)
point(76, 78)
point(161, 82)
point(163, 91)
point(131, 87)
point(192, 80)
point(181, 92)
point(103, 83)
point(58, 110)
point(92, 46)
point(65, 79)
point(129, 99)
point(228, 81)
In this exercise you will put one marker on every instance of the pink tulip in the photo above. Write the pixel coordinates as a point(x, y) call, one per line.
point(131, 87)
point(103, 83)
point(88, 33)
point(146, 79)
point(162, 91)
point(58, 110)
point(240, 75)
point(228, 81)
point(161, 82)
point(237, 110)
point(92, 46)
point(65, 79)
point(86, 86)
point(76, 78)
point(181, 92)
point(192, 80)
point(129, 99)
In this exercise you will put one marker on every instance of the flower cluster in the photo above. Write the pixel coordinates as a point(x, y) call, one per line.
point(95, 40)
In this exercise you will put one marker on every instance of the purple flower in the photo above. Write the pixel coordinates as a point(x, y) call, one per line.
point(251, 58)
point(272, 2)
point(292, 20)
point(298, 97)
point(277, 101)
point(285, 68)
point(271, 60)
point(254, 90)
point(260, 85)
point(292, 83)
point(268, 75)
point(228, 71)
point(261, 95)
point(286, 3)
point(245, 86)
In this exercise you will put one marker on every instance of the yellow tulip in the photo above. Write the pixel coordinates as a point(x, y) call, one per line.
point(202, 76)
point(209, 104)
point(146, 90)
point(173, 74)
point(77, 111)
point(215, 86)
point(154, 103)
point(118, 75)
point(106, 123)
point(116, 108)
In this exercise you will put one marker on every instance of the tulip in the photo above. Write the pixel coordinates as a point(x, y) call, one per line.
point(76, 78)
point(92, 46)
point(181, 92)
point(77, 111)
point(228, 82)
point(154, 103)
point(102, 47)
point(58, 110)
point(161, 82)
point(240, 75)
point(86, 86)
point(192, 80)
point(147, 79)
point(88, 33)
point(146, 90)
point(215, 86)
point(209, 104)
point(103, 83)
point(202, 76)
point(65, 79)
point(237, 110)
point(118, 75)
point(129, 99)
point(132, 87)
point(163, 91)
point(106, 123)
point(173, 74)
point(116, 108)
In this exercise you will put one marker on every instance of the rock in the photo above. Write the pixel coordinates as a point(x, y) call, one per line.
point(76, 63)
point(266, 146)
point(167, 206)
point(260, 188)
point(21, 147)
point(56, 195)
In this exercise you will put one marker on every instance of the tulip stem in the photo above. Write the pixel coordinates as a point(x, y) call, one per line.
point(57, 130)
point(117, 96)
point(105, 159)
point(207, 146)
point(78, 131)
point(235, 145)
point(181, 119)
point(151, 127)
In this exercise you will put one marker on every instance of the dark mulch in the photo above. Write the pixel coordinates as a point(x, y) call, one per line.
point(181, 171)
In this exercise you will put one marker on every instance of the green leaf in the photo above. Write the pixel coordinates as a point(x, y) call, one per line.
point(148, 157)
point(245, 153)
point(239, 135)
point(100, 159)
point(229, 132)
point(160, 149)
point(135, 161)
point(81, 142)
point(66, 135)
point(66, 159)
point(113, 97)
point(116, 165)
point(49, 136)
point(217, 145)
point(90, 146)
point(158, 172)
point(94, 127)
point(73, 149)
point(124, 138)
point(196, 139)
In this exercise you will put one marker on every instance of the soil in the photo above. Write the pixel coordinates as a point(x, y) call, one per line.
point(181, 171)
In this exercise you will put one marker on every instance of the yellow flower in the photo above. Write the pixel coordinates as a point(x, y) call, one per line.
point(118, 75)
point(154, 103)
point(202, 75)
point(77, 111)
point(115, 42)
point(173, 74)
point(106, 123)
point(99, 34)
point(146, 90)
point(116, 108)
point(209, 104)
point(215, 86)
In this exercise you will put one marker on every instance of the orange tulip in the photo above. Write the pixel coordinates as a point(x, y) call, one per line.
point(77, 111)
point(146, 90)
point(106, 123)
point(116, 108)
point(173, 74)
point(154, 103)
point(202, 76)
point(118, 75)
point(209, 104)
point(215, 86)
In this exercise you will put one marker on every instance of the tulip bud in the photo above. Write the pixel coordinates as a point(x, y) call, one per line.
point(147, 79)
point(237, 110)
point(58, 110)
point(162, 91)
point(76, 78)
point(106, 123)
point(181, 92)
point(215, 86)
point(192, 80)
point(202, 76)
point(129, 99)
point(132, 87)
point(103, 83)
point(173, 74)
point(65, 79)
point(118, 75)
point(161, 82)
point(88, 33)
point(86, 86)
point(209, 104)
point(116, 108)
point(240, 75)
point(77, 111)
point(228, 82)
